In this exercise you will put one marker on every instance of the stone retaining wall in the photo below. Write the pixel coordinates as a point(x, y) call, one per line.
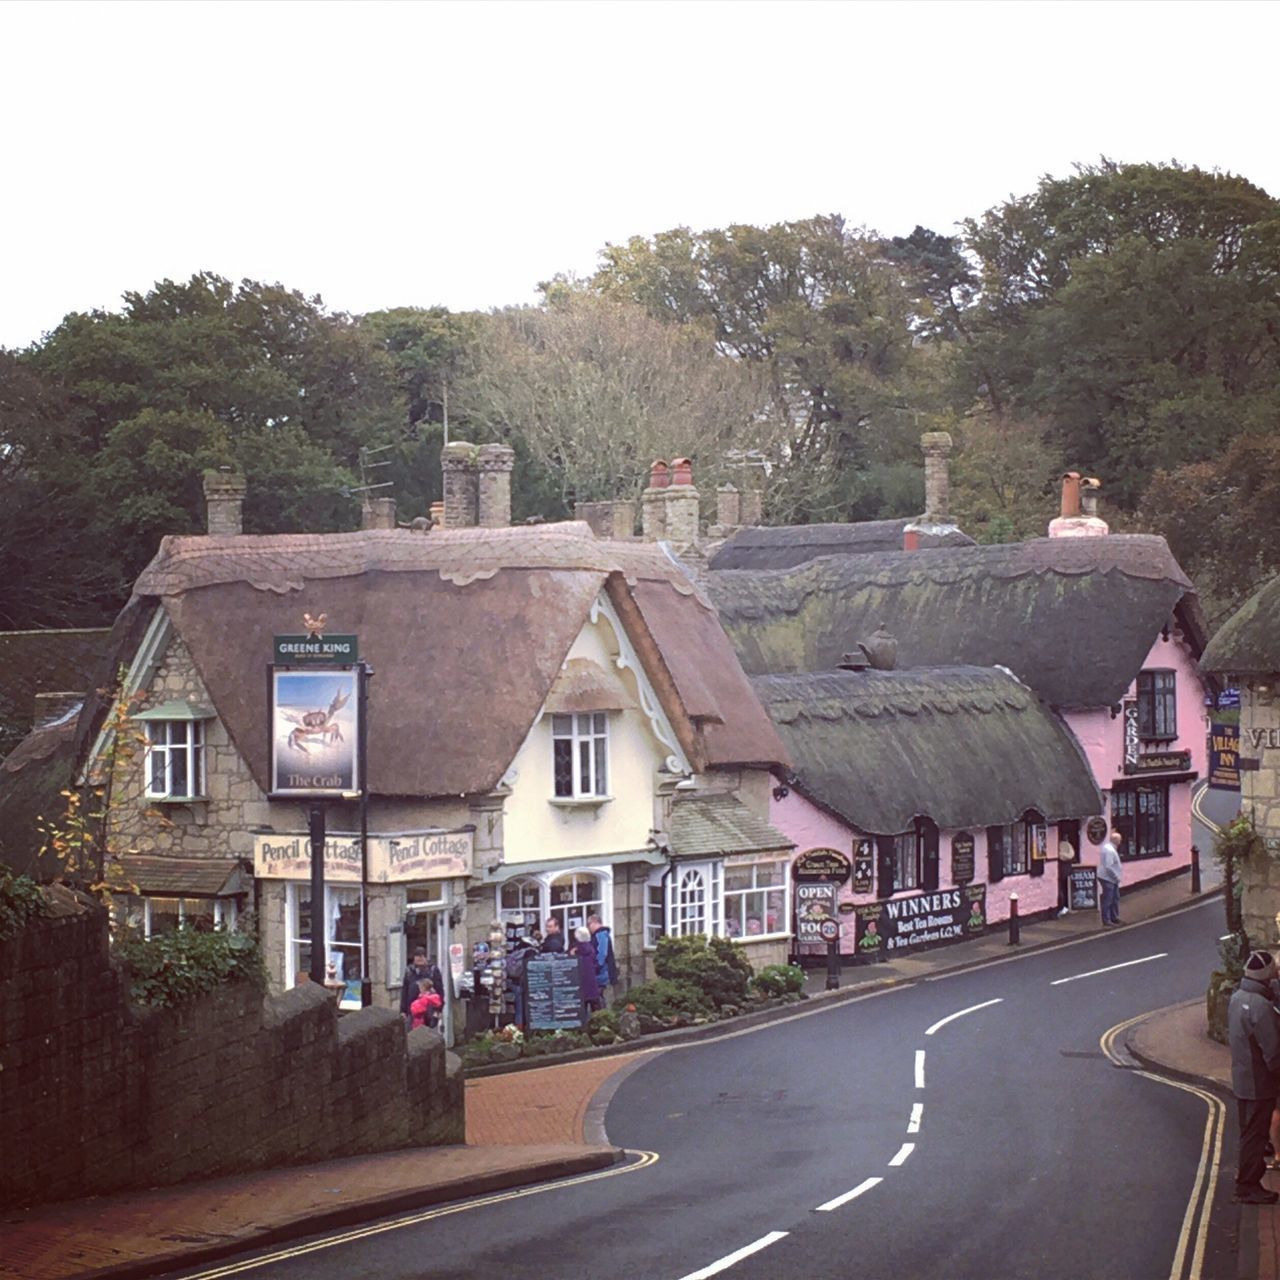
point(97, 1095)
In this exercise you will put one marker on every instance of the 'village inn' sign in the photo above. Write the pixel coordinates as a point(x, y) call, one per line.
point(433, 855)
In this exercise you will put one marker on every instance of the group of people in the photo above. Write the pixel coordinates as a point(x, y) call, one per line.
point(592, 947)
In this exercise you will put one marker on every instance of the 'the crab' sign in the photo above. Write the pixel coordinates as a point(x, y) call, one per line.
point(315, 732)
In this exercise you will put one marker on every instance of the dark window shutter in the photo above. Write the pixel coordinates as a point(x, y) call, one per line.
point(995, 854)
point(929, 871)
point(884, 866)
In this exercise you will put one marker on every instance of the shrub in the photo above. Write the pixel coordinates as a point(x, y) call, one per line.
point(778, 980)
point(662, 1002)
point(718, 967)
point(20, 901)
point(172, 968)
point(602, 1026)
point(478, 1051)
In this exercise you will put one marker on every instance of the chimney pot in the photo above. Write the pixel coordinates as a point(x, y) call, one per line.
point(224, 492)
point(659, 475)
point(681, 471)
point(1070, 495)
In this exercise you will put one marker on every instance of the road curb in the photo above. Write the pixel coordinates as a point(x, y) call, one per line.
point(359, 1213)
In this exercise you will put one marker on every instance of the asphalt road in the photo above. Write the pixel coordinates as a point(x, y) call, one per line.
point(883, 1138)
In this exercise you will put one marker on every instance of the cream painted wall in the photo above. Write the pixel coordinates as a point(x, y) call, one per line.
point(535, 829)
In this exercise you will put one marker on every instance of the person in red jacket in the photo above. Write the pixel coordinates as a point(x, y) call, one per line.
point(425, 1010)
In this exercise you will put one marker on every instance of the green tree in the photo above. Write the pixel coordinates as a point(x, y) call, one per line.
point(1134, 310)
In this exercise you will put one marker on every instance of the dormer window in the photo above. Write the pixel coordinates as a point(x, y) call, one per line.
point(175, 751)
point(580, 746)
point(1157, 705)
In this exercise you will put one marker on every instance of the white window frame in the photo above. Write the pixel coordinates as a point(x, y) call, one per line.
point(681, 922)
point(224, 910)
point(908, 851)
point(593, 906)
point(162, 747)
point(655, 910)
point(740, 896)
point(543, 881)
point(294, 942)
point(587, 732)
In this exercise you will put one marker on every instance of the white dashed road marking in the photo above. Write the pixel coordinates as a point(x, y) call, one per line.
point(849, 1195)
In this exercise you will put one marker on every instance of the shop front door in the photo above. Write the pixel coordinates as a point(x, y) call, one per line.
point(428, 926)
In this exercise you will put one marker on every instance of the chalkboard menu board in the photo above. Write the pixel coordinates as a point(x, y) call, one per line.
point(1082, 884)
point(553, 990)
point(961, 858)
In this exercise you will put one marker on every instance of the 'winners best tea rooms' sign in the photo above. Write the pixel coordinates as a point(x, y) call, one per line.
point(921, 920)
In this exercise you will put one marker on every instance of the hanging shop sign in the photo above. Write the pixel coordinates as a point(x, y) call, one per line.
point(821, 865)
point(1159, 762)
point(1224, 756)
point(289, 651)
point(1096, 830)
point(864, 866)
point(815, 905)
point(428, 855)
point(1082, 888)
point(889, 928)
point(315, 732)
point(962, 857)
point(1132, 739)
point(553, 991)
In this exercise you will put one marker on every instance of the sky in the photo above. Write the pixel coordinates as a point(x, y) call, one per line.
point(405, 154)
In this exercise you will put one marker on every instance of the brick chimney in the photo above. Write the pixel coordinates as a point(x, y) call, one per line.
point(461, 485)
point(378, 513)
point(682, 504)
point(224, 492)
point(728, 507)
point(494, 464)
point(1079, 518)
point(653, 503)
point(611, 520)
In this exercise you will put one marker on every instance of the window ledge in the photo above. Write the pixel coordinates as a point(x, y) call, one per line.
point(177, 799)
point(580, 802)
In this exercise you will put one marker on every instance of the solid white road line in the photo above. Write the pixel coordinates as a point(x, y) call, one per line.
point(849, 1195)
point(951, 1017)
point(903, 1152)
point(736, 1256)
point(917, 1111)
point(919, 1068)
point(1111, 968)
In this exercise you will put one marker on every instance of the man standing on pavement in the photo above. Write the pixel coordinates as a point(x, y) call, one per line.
point(606, 961)
point(1109, 872)
point(1254, 1033)
point(553, 939)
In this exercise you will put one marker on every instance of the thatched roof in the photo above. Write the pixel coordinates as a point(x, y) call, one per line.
point(47, 661)
point(785, 546)
point(1248, 643)
point(964, 746)
point(466, 630)
point(1072, 617)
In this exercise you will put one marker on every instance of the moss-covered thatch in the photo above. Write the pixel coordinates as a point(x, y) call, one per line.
point(964, 746)
point(1248, 643)
point(1072, 617)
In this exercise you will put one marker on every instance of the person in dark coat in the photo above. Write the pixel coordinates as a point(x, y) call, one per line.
point(1253, 1028)
point(414, 974)
point(585, 949)
point(553, 939)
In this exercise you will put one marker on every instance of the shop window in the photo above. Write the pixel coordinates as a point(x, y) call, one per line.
point(175, 759)
point(152, 916)
point(574, 897)
point(694, 899)
point(1141, 815)
point(1157, 705)
point(1007, 850)
point(520, 903)
point(344, 954)
point(580, 748)
point(755, 899)
point(908, 861)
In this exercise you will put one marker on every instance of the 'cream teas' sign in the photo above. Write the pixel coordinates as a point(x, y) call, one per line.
point(433, 855)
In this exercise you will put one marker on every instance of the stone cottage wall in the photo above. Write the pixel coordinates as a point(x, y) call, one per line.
point(1260, 795)
point(98, 1096)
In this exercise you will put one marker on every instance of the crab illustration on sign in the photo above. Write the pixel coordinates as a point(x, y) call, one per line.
point(316, 725)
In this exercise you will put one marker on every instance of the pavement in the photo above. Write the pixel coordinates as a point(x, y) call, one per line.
point(531, 1126)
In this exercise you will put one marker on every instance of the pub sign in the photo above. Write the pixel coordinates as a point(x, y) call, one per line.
point(1224, 756)
point(315, 732)
point(920, 920)
point(962, 857)
point(828, 866)
point(864, 867)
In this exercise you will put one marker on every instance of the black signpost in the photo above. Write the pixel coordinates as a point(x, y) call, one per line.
point(553, 993)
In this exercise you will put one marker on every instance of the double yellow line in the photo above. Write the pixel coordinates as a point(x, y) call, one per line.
point(639, 1160)
point(1188, 1259)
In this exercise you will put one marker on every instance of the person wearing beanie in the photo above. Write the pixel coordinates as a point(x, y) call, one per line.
point(585, 951)
point(1253, 1027)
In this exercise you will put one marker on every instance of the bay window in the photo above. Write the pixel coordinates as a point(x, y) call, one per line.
point(755, 899)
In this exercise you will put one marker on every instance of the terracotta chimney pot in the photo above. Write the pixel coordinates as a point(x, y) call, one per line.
point(682, 471)
point(1070, 494)
point(659, 475)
